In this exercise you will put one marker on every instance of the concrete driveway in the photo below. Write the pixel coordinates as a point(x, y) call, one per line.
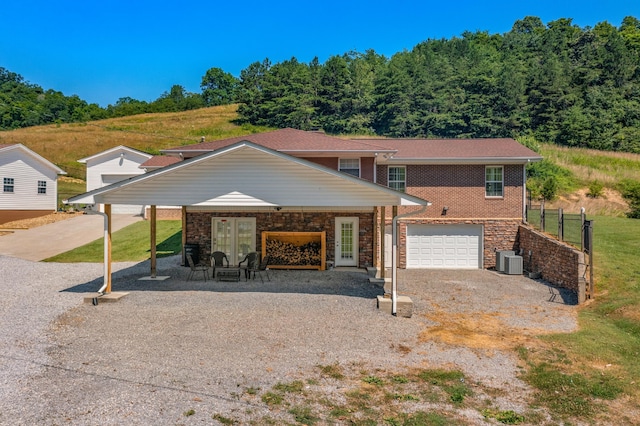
point(42, 242)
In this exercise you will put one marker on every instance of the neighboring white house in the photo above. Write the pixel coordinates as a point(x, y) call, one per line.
point(114, 165)
point(29, 181)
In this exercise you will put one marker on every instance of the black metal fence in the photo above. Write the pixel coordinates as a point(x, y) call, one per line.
point(567, 227)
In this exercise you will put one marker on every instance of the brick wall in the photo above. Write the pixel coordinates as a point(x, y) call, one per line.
point(557, 262)
point(199, 229)
point(461, 188)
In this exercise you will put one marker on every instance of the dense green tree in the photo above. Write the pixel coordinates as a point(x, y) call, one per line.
point(219, 87)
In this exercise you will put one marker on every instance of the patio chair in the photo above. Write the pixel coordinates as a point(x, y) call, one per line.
point(259, 268)
point(219, 260)
point(249, 262)
point(196, 268)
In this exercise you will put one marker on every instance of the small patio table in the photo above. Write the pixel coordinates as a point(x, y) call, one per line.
point(228, 274)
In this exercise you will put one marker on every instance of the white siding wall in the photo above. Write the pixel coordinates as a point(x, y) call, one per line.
point(113, 165)
point(26, 172)
point(110, 168)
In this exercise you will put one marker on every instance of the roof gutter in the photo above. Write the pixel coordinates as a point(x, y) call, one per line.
point(454, 160)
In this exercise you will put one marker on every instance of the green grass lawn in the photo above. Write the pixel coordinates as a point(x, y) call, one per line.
point(130, 244)
point(600, 361)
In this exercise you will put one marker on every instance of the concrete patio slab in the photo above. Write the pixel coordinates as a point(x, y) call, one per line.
point(45, 241)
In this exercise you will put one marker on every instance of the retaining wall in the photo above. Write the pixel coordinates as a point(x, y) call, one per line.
point(556, 262)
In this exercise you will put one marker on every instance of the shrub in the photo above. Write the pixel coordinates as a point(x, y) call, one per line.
point(549, 188)
point(630, 190)
point(596, 189)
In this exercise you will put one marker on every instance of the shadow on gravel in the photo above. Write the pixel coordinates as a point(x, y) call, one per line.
point(353, 283)
point(560, 295)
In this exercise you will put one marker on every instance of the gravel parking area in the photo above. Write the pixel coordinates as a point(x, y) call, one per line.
point(172, 346)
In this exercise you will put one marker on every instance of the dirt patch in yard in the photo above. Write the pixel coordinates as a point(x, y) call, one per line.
point(34, 222)
point(478, 330)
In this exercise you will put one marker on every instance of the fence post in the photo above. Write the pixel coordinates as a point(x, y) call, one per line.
point(542, 215)
point(560, 225)
point(589, 230)
point(582, 219)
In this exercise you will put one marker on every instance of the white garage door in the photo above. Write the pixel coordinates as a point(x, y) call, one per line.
point(444, 246)
point(123, 208)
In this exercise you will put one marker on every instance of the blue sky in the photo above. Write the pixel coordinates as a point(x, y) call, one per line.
point(108, 49)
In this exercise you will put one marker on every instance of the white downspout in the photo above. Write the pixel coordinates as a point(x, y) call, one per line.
point(524, 192)
point(394, 256)
point(106, 248)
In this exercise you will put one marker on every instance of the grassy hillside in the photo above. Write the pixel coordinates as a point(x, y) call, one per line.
point(64, 144)
point(588, 166)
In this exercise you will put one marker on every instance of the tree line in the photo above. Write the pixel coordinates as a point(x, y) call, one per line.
point(23, 104)
point(556, 82)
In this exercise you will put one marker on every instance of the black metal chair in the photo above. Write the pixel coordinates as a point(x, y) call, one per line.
point(196, 268)
point(248, 263)
point(259, 268)
point(219, 260)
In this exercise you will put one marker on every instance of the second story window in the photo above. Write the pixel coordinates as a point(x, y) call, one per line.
point(42, 187)
point(493, 181)
point(397, 178)
point(8, 184)
point(350, 166)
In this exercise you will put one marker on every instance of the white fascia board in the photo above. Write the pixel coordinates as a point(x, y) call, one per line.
point(295, 152)
point(35, 156)
point(112, 150)
point(454, 161)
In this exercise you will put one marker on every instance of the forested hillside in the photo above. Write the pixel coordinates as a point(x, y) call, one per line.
point(556, 82)
point(561, 83)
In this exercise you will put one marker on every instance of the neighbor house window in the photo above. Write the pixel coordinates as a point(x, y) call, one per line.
point(42, 187)
point(398, 178)
point(494, 181)
point(350, 166)
point(8, 184)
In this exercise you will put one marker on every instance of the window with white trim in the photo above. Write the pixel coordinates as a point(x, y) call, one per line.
point(397, 178)
point(494, 181)
point(8, 184)
point(350, 166)
point(42, 187)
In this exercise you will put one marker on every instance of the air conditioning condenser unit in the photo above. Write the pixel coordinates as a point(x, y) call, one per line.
point(513, 265)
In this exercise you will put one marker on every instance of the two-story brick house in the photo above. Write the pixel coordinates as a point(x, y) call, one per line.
point(476, 188)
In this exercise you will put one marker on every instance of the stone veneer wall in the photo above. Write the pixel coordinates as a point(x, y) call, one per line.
point(557, 262)
point(498, 235)
point(199, 229)
point(164, 213)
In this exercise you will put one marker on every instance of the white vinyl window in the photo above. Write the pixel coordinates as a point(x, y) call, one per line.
point(494, 181)
point(42, 187)
point(8, 184)
point(397, 178)
point(350, 166)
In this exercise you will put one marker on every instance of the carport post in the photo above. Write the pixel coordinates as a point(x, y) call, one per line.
point(383, 227)
point(394, 255)
point(107, 248)
point(153, 241)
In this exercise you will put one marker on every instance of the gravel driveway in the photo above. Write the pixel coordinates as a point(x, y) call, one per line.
point(173, 346)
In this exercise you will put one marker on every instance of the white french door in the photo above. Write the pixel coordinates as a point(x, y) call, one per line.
point(235, 236)
point(347, 241)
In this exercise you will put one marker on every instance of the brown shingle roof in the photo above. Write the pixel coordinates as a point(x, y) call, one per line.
point(159, 161)
point(455, 149)
point(288, 141)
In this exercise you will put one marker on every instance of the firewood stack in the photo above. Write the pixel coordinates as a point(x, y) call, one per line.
point(286, 253)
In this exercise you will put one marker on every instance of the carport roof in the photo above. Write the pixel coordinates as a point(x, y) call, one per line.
point(247, 175)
